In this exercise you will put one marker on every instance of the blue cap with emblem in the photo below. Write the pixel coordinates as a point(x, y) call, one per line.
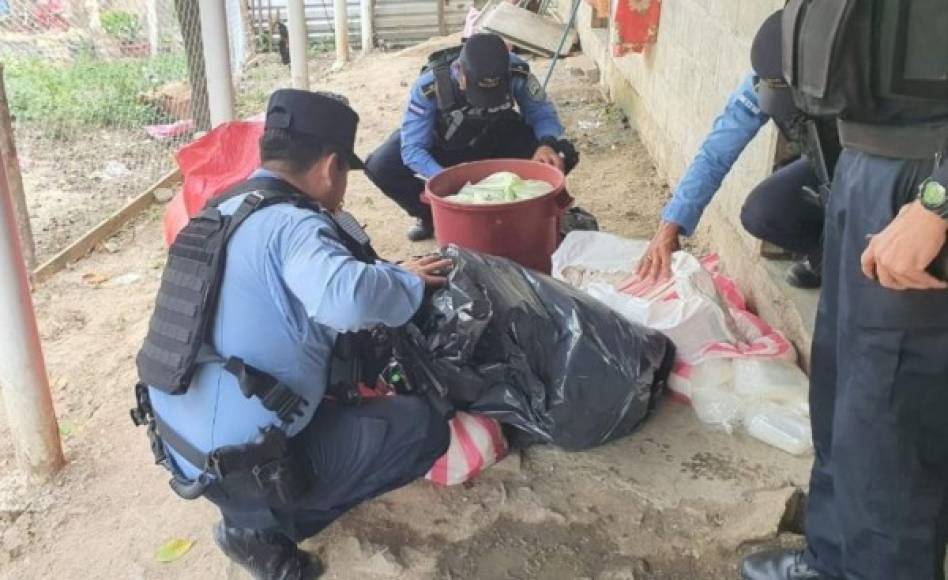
point(326, 117)
point(486, 66)
point(773, 93)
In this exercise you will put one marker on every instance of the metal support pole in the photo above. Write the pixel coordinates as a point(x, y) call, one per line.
point(559, 48)
point(296, 23)
point(153, 31)
point(341, 23)
point(220, 90)
point(23, 381)
point(367, 17)
point(442, 22)
point(14, 179)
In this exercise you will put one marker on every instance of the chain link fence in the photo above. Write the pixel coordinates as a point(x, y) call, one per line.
point(100, 96)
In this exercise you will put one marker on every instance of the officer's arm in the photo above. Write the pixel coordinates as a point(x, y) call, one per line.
point(733, 130)
point(536, 108)
point(338, 291)
point(418, 133)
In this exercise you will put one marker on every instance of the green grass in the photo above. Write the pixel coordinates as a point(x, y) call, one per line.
point(88, 92)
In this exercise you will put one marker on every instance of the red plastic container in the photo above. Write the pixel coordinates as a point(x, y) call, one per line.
point(527, 232)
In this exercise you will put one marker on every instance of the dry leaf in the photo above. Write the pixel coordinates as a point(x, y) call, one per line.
point(172, 550)
point(95, 279)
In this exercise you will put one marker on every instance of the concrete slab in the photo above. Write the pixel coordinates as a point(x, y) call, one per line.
point(539, 34)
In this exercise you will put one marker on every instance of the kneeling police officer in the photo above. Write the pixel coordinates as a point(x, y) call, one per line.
point(461, 109)
point(244, 354)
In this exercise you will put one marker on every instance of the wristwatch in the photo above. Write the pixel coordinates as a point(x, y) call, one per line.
point(934, 198)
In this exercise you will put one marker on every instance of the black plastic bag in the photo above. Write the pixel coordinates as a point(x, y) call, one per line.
point(534, 353)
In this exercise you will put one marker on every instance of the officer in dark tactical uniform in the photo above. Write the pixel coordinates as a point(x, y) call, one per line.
point(878, 504)
point(462, 108)
point(786, 209)
point(272, 309)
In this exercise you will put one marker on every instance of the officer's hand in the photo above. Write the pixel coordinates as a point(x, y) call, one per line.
point(656, 265)
point(899, 255)
point(548, 156)
point(433, 270)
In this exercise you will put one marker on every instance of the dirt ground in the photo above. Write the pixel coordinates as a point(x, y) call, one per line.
point(673, 501)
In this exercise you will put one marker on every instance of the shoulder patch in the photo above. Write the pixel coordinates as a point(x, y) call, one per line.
point(535, 89)
point(748, 104)
point(428, 90)
point(520, 69)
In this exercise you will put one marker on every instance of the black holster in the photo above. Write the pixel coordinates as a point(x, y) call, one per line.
point(269, 464)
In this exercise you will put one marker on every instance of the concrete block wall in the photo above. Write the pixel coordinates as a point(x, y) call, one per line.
point(673, 92)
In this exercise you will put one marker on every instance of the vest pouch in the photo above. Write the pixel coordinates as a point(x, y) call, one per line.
point(827, 48)
point(913, 50)
point(188, 292)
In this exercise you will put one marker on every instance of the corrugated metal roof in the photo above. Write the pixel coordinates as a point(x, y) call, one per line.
point(397, 22)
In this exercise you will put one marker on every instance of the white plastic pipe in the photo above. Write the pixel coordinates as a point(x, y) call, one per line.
point(341, 23)
point(367, 17)
point(23, 381)
point(220, 90)
point(299, 66)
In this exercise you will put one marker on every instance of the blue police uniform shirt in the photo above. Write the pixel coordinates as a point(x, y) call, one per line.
point(290, 287)
point(733, 130)
point(419, 122)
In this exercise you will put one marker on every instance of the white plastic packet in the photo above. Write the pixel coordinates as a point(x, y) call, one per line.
point(780, 427)
point(718, 406)
point(501, 187)
point(772, 380)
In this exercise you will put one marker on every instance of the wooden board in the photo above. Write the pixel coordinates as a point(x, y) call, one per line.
point(539, 34)
point(104, 230)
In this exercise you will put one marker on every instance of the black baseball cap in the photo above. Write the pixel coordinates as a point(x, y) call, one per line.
point(773, 93)
point(486, 64)
point(325, 116)
point(767, 49)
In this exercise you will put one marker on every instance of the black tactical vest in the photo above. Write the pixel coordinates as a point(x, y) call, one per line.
point(459, 125)
point(178, 339)
point(870, 61)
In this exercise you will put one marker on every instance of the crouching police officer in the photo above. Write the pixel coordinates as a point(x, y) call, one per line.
point(239, 358)
point(786, 209)
point(462, 109)
point(878, 503)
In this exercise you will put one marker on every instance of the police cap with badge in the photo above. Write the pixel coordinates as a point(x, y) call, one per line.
point(486, 65)
point(325, 117)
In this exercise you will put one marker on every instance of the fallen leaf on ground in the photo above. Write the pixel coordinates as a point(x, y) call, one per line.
point(95, 279)
point(173, 549)
point(66, 428)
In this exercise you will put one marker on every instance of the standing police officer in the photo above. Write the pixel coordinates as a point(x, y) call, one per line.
point(785, 209)
point(462, 109)
point(242, 352)
point(878, 505)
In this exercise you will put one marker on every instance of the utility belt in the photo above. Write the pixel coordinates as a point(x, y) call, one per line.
point(917, 141)
point(267, 467)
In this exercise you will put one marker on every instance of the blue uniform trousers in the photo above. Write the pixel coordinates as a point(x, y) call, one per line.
point(780, 212)
point(355, 452)
point(878, 507)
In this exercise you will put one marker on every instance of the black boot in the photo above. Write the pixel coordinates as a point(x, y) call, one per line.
point(804, 275)
point(778, 565)
point(422, 230)
point(267, 555)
